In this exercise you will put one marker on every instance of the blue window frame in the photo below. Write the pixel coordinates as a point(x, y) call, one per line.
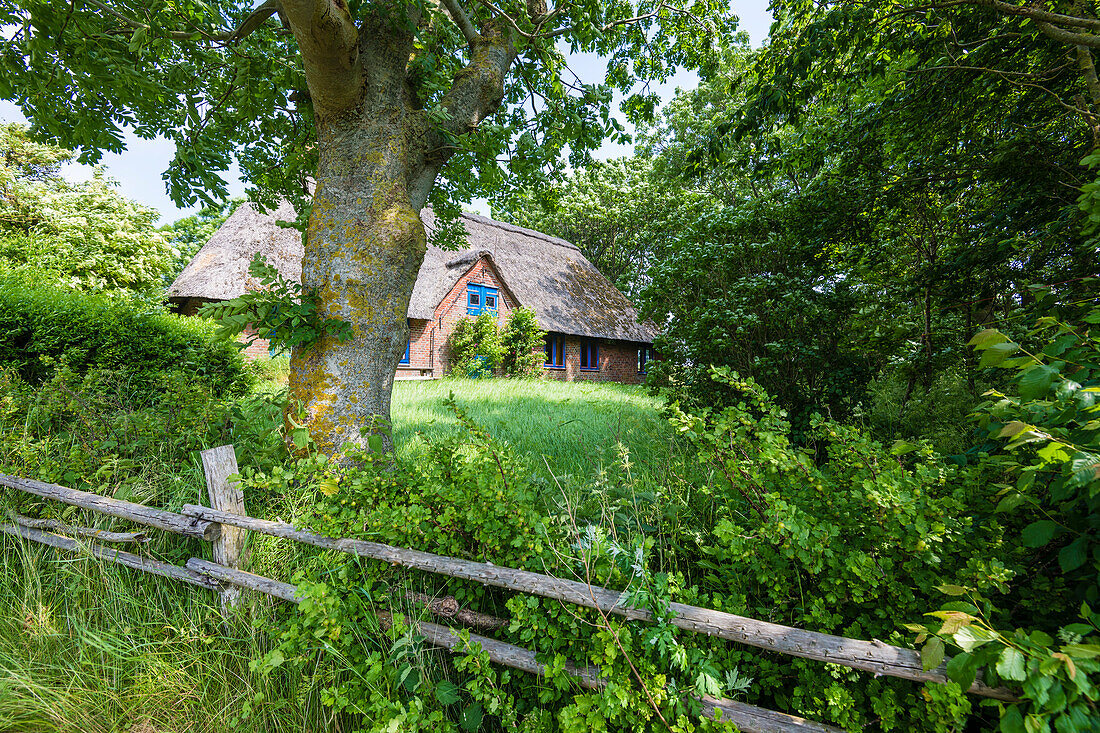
point(480, 298)
point(408, 348)
point(645, 355)
point(590, 355)
point(555, 351)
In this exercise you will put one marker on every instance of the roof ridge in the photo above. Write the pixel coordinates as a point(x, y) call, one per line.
point(519, 230)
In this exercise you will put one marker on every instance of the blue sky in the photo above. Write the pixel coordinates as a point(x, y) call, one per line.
point(138, 169)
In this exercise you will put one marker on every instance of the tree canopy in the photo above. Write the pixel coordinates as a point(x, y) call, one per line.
point(86, 235)
point(359, 108)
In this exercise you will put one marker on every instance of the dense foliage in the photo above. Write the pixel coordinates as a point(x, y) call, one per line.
point(46, 327)
point(474, 346)
point(86, 235)
point(520, 343)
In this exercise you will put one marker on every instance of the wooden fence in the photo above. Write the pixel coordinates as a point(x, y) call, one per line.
point(225, 524)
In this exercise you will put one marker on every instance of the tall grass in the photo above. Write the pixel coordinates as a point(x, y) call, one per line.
point(90, 647)
point(567, 428)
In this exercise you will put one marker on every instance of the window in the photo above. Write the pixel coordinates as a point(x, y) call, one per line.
point(555, 351)
point(645, 354)
point(480, 298)
point(590, 355)
point(408, 350)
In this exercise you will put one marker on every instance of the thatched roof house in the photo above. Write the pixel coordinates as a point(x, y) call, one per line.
point(594, 330)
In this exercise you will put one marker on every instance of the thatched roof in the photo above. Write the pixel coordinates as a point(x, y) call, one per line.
point(548, 275)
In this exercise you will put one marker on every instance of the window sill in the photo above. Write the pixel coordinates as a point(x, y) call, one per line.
point(552, 366)
point(590, 369)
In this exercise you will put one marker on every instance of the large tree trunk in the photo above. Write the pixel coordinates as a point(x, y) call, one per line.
point(364, 247)
point(378, 157)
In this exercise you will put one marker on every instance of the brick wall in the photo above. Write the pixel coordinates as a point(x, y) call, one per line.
point(421, 338)
point(618, 362)
point(453, 309)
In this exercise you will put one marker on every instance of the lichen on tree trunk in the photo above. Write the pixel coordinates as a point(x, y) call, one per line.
point(378, 157)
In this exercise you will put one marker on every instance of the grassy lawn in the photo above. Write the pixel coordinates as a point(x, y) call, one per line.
point(571, 427)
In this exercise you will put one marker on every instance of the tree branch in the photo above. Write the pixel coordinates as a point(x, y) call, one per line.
point(605, 28)
point(254, 20)
point(1064, 36)
point(476, 93)
point(1088, 71)
point(458, 15)
point(329, 43)
point(1039, 15)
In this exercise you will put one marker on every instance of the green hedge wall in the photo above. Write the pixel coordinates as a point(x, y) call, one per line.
point(42, 325)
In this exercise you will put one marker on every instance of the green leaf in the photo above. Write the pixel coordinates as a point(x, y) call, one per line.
point(987, 338)
point(1035, 381)
point(300, 437)
point(901, 447)
point(962, 668)
point(951, 590)
point(1010, 502)
point(1039, 533)
point(471, 717)
point(997, 353)
point(1082, 651)
point(1012, 428)
point(446, 692)
point(1073, 555)
point(1012, 721)
point(970, 638)
point(375, 443)
point(931, 655)
point(1010, 666)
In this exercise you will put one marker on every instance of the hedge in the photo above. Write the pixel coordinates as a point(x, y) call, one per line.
point(42, 325)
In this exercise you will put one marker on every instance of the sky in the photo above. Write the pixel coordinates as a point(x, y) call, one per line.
point(138, 169)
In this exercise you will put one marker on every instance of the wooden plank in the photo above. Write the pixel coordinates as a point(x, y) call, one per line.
point(748, 718)
point(242, 579)
point(168, 521)
point(145, 564)
point(447, 607)
point(874, 656)
point(759, 720)
point(218, 464)
point(99, 535)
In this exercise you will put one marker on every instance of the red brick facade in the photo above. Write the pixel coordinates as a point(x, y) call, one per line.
point(617, 360)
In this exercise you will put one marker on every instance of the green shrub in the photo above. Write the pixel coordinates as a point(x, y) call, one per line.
point(42, 326)
point(475, 346)
point(520, 342)
point(938, 412)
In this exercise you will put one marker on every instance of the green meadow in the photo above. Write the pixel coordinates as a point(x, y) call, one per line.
point(567, 428)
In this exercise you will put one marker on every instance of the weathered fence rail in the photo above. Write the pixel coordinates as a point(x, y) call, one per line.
point(225, 523)
point(871, 656)
point(138, 513)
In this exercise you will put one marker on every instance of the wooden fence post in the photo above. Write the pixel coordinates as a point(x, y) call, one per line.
point(229, 550)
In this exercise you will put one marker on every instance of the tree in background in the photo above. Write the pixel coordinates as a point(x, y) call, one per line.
point(374, 101)
point(607, 209)
point(86, 235)
point(188, 234)
point(520, 344)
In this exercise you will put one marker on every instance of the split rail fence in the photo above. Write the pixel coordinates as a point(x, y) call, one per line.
point(225, 524)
